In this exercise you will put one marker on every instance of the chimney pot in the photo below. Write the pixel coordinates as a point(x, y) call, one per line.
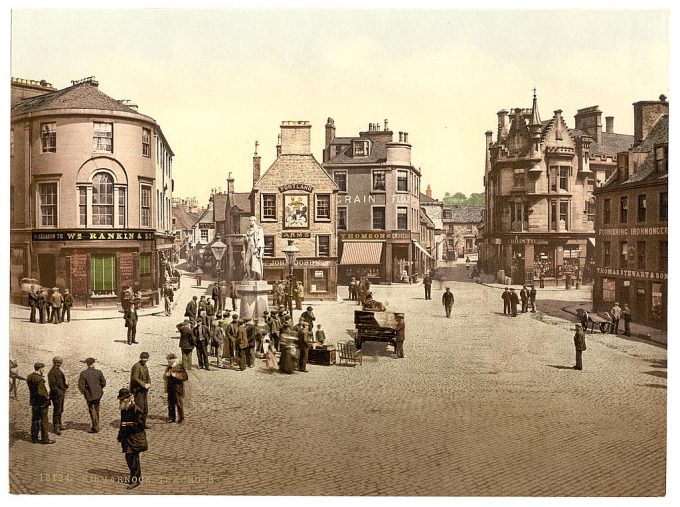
point(662, 98)
point(406, 137)
point(386, 124)
point(401, 137)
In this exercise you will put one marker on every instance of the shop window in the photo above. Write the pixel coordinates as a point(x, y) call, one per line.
point(663, 206)
point(379, 180)
point(378, 219)
point(641, 254)
point(402, 217)
point(323, 207)
point(544, 261)
point(402, 181)
point(145, 208)
point(657, 301)
point(323, 245)
point(146, 142)
point(606, 254)
point(342, 218)
point(623, 254)
point(102, 199)
point(268, 206)
point(663, 256)
point(642, 208)
point(103, 273)
point(606, 211)
point(102, 138)
point(340, 178)
point(48, 136)
point(269, 246)
point(48, 204)
point(145, 264)
point(623, 210)
point(564, 216)
point(608, 289)
point(319, 280)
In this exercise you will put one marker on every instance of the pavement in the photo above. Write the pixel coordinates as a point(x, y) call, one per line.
point(481, 405)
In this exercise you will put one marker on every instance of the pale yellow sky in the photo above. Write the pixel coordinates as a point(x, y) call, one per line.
point(217, 80)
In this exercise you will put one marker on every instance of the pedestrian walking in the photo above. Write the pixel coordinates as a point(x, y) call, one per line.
point(91, 384)
point(627, 318)
point(199, 276)
point(242, 344)
point(427, 283)
point(168, 297)
point(401, 333)
point(33, 302)
point(186, 342)
point(506, 301)
point(616, 317)
point(175, 375)
point(201, 337)
point(532, 299)
point(303, 346)
point(68, 303)
point(447, 301)
point(140, 383)
point(514, 301)
point(57, 382)
point(524, 296)
point(40, 403)
point(580, 345)
point(131, 435)
point(56, 302)
point(131, 318)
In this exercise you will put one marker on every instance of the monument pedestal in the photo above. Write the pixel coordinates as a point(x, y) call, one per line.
point(254, 298)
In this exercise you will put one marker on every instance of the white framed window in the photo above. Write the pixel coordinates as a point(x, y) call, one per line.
point(378, 217)
point(102, 199)
point(323, 245)
point(82, 206)
point(378, 177)
point(360, 148)
point(340, 178)
point(323, 207)
point(564, 178)
point(102, 137)
point(48, 137)
point(122, 206)
point(402, 181)
point(146, 142)
point(268, 211)
point(204, 235)
point(269, 246)
point(145, 205)
point(48, 194)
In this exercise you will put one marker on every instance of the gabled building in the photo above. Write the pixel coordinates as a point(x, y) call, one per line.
point(631, 225)
point(460, 225)
point(434, 209)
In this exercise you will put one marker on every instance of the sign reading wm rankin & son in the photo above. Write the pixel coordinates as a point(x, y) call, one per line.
point(79, 235)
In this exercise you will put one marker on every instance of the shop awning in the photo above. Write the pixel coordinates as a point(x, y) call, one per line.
point(421, 248)
point(361, 252)
point(591, 241)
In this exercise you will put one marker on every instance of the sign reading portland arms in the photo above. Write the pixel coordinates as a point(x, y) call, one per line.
point(90, 235)
point(296, 186)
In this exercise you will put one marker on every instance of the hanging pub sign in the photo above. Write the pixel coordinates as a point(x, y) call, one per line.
point(90, 235)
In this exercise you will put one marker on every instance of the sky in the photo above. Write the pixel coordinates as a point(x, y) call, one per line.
point(218, 80)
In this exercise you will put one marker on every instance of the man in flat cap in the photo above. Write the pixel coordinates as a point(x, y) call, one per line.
point(447, 301)
point(68, 303)
point(140, 382)
point(57, 382)
point(308, 317)
point(40, 403)
point(131, 436)
point(131, 319)
point(91, 384)
point(175, 375)
point(579, 345)
point(56, 301)
point(186, 342)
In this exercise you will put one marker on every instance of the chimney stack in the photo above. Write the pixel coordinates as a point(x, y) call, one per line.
point(503, 125)
point(645, 115)
point(296, 138)
point(278, 146)
point(558, 124)
point(428, 191)
point(256, 165)
point(386, 124)
point(589, 121)
point(401, 137)
point(406, 137)
point(610, 124)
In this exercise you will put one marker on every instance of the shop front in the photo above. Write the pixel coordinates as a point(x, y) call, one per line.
point(318, 275)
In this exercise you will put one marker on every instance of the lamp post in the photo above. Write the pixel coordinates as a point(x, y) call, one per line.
point(218, 248)
point(291, 252)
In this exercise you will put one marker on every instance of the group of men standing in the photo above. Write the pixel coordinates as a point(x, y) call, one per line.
point(284, 292)
point(359, 289)
point(50, 307)
point(510, 300)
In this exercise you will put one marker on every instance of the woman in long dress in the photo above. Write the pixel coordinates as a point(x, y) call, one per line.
point(271, 357)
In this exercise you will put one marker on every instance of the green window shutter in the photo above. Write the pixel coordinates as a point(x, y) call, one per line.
point(103, 273)
point(145, 264)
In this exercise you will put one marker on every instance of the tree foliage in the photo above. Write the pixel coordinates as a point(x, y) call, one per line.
point(460, 199)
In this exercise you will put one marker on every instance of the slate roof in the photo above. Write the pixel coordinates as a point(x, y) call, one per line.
point(612, 143)
point(183, 220)
point(465, 214)
point(425, 219)
point(242, 201)
point(378, 154)
point(426, 198)
point(80, 96)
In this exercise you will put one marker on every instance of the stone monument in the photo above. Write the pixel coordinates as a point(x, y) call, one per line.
point(253, 290)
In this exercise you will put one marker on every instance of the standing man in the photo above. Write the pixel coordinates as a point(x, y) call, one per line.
point(91, 384)
point(168, 296)
point(140, 383)
point(40, 403)
point(253, 331)
point(186, 343)
point(233, 295)
point(68, 303)
point(199, 276)
point(274, 329)
point(514, 301)
point(242, 344)
point(215, 294)
point(209, 314)
point(580, 345)
point(192, 310)
point(627, 318)
point(447, 301)
point(309, 318)
point(532, 299)
point(401, 333)
point(201, 337)
point(616, 317)
point(303, 346)
point(131, 318)
point(427, 283)
point(131, 435)
point(32, 302)
point(57, 382)
point(56, 301)
point(178, 275)
point(320, 335)
point(230, 350)
point(223, 296)
point(506, 301)
point(42, 305)
point(175, 375)
point(524, 296)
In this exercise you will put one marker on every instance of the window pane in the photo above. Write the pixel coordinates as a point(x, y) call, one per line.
point(402, 181)
point(269, 246)
point(402, 218)
point(121, 207)
point(146, 206)
point(564, 178)
point(82, 205)
point(378, 180)
point(341, 180)
point(102, 199)
point(323, 207)
point(607, 211)
point(642, 254)
point(379, 218)
point(145, 264)
point(663, 206)
point(103, 273)
point(324, 243)
point(623, 215)
point(342, 218)
point(48, 204)
point(146, 142)
point(103, 137)
point(49, 137)
point(642, 208)
point(269, 206)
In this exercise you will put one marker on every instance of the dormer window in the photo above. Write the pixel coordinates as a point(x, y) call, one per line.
point(360, 148)
point(661, 158)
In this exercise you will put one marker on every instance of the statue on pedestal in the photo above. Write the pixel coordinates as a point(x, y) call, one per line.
point(254, 243)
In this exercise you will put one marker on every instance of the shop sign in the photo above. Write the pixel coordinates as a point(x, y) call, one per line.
point(80, 235)
point(399, 235)
point(634, 231)
point(296, 234)
point(517, 240)
point(275, 263)
point(363, 235)
point(296, 186)
point(633, 273)
point(206, 225)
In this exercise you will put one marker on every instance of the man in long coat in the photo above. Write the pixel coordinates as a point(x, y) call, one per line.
point(447, 301)
point(201, 339)
point(186, 342)
point(506, 301)
point(131, 319)
point(242, 344)
point(57, 382)
point(579, 345)
point(524, 296)
point(140, 383)
point(303, 346)
point(40, 404)
point(230, 350)
point(175, 375)
point(427, 283)
point(514, 301)
point(33, 302)
point(91, 384)
point(131, 435)
point(192, 310)
point(56, 302)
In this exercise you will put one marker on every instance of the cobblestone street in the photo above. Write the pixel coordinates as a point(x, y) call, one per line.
point(481, 405)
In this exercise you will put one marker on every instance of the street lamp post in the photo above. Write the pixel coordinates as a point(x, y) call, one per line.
point(291, 252)
point(218, 248)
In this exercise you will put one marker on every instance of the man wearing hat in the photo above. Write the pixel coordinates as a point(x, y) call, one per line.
point(447, 301)
point(40, 403)
point(580, 345)
point(68, 303)
point(514, 301)
point(506, 301)
point(616, 317)
point(91, 384)
point(140, 383)
point(33, 302)
point(274, 327)
point(175, 375)
point(57, 382)
point(186, 342)
point(309, 318)
point(401, 334)
point(192, 310)
point(201, 339)
point(242, 344)
point(303, 346)
point(131, 435)
point(230, 350)
point(43, 306)
point(131, 319)
point(56, 301)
